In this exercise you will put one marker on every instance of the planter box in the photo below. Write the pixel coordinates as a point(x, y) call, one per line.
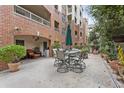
point(3, 66)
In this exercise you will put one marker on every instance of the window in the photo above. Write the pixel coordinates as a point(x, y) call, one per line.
point(20, 42)
point(75, 8)
point(69, 8)
point(63, 18)
point(75, 33)
point(56, 26)
point(75, 44)
point(63, 31)
point(80, 34)
point(69, 18)
point(80, 23)
point(56, 7)
point(0, 39)
point(80, 14)
point(64, 7)
point(75, 20)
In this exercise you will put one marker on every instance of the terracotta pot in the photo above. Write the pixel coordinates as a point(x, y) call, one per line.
point(121, 71)
point(14, 66)
point(114, 65)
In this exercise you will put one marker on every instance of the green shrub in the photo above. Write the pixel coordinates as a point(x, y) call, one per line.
point(56, 45)
point(12, 53)
point(77, 46)
point(85, 50)
point(112, 56)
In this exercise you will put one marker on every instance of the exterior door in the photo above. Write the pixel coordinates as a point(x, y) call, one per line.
point(44, 46)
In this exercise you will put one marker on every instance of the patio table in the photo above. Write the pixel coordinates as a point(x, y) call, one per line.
point(72, 53)
point(72, 63)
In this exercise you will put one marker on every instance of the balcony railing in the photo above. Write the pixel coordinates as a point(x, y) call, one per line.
point(56, 29)
point(23, 12)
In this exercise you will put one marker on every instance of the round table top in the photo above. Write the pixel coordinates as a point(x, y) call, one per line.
point(73, 51)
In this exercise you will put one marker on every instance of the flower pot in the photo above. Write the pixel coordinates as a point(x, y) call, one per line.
point(114, 65)
point(14, 66)
point(121, 71)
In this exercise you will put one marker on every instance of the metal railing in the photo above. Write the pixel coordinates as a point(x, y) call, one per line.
point(21, 11)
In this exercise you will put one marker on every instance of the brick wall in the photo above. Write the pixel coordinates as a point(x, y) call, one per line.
point(6, 25)
point(3, 66)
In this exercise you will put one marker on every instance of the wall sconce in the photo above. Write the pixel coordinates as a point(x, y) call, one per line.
point(17, 28)
point(38, 33)
point(36, 38)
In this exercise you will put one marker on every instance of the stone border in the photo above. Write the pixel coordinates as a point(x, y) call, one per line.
point(111, 74)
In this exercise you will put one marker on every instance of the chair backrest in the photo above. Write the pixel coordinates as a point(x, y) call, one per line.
point(54, 52)
point(60, 55)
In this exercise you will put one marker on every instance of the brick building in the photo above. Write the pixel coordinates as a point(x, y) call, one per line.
point(40, 25)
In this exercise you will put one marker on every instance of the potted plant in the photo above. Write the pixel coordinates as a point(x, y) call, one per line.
point(56, 45)
point(113, 62)
point(85, 51)
point(121, 63)
point(11, 55)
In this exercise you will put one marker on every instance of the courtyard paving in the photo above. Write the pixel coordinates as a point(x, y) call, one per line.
point(40, 73)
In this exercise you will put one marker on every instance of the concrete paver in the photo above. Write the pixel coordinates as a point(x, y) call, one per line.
point(40, 73)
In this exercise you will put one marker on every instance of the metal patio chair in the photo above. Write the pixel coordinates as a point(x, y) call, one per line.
point(78, 64)
point(62, 62)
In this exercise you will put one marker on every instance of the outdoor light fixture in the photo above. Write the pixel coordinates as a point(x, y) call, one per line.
point(17, 28)
point(38, 33)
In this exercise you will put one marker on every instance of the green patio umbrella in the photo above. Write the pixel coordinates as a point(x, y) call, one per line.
point(68, 36)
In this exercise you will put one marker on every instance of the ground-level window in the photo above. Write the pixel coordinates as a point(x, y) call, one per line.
point(80, 34)
point(75, 43)
point(20, 42)
point(75, 33)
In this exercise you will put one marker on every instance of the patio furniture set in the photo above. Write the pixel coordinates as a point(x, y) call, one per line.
point(69, 60)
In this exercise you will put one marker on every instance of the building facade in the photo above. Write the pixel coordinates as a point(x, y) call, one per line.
point(40, 25)
point(75, 18)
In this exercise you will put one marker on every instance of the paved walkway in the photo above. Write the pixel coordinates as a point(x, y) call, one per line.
point(41, 73)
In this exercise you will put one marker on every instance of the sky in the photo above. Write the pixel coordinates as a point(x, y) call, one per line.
point(85, 14)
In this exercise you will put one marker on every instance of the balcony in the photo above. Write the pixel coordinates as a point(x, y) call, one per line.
point(32, 16)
